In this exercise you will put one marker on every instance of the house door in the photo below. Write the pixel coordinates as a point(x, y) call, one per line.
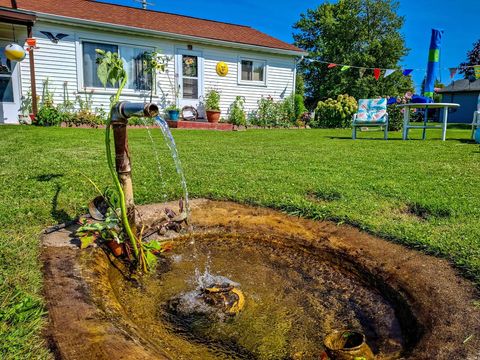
point(9, 89)
point(190, 78)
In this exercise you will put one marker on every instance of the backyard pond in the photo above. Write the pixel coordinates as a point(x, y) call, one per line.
point(300, 280)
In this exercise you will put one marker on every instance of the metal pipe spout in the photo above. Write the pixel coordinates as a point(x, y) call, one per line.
point(123, 110)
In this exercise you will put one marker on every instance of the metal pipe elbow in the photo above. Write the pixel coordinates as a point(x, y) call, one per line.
point(124, 110)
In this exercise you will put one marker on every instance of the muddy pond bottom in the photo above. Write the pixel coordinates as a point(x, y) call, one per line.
point(293, 299)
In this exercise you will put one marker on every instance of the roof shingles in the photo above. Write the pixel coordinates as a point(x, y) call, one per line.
point(152, 20)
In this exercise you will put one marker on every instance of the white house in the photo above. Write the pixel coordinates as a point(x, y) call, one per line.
point(258, 64)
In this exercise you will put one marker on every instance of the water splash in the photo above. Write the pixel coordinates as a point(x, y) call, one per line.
point(167, 135)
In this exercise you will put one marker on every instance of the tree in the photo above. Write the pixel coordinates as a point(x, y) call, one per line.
point(364, 33)
point(473, 58)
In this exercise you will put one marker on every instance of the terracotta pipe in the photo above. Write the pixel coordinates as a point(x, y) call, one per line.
point(120, 114)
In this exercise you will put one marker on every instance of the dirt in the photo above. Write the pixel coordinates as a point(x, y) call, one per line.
point(434, 304)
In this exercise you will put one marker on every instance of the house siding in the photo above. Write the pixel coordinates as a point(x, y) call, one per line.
point(62, 64)
point(468, 105)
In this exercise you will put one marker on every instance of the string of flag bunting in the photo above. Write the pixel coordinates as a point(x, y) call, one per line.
point(377, 72)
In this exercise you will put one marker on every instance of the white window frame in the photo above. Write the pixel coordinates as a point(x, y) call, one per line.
point(101, 90)
point(252, 82)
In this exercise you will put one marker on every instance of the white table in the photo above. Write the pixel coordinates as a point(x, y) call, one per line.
point(406, 117)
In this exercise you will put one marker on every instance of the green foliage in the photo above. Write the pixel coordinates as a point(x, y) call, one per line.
point(300, 108)
point(49, 115)
point(110, 68)
point(139, 121)
point(237, 114)
point(335, 113)
point(354, 32)
point(299, 84)
point(473, 58)
point(154, 63)
point(26, 104)
point(271, 113)
point(212, 100)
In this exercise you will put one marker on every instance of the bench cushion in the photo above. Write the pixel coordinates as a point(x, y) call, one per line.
point(371, 111)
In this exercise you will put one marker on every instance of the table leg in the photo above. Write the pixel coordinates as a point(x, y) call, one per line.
point(445, 121)
point(406, 121)
point(425, 119)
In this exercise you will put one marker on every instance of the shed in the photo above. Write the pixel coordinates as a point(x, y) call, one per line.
point(465, 93)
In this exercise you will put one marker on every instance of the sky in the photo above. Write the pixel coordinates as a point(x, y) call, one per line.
point(458, 18)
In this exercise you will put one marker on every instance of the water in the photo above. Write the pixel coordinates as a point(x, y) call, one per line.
point(292, 300)
point(167, 135)
point(157, 159)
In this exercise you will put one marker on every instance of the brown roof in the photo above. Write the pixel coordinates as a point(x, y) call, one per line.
point(152, 20)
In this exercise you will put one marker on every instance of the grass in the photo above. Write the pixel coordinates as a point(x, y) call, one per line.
point(423, 194)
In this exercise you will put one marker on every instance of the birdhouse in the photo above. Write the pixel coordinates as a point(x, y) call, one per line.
point(15, 52)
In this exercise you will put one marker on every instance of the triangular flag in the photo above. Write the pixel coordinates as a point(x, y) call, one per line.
point(345, 67)
point(477, 71)
point(388, 72)
point(407, 72)
point(361, 72)
point(453, 71)
point(331, 65)
point(376, 73)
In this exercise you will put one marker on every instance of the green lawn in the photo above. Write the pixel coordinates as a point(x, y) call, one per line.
point(424, 194)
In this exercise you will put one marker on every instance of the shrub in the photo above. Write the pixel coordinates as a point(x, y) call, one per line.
point(141, 121)
point(49, 115)
point(274, 114)
point(237, 114)
point(212, 102)
point(335, 113)
point(300, 108)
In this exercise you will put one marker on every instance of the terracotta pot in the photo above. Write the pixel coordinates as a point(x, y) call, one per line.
point(115, 247)
point(32, 116)
point(32, 42)
point(213, 116)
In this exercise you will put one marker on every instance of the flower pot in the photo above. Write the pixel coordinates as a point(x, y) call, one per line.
point(115, 247)
point(32, 117)
point(32, 42)
point(173, 114)
point(347, 345)
point(213, 116)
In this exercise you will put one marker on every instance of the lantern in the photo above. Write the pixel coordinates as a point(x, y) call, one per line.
point(15, 52)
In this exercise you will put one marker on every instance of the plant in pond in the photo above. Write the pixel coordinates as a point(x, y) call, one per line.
point(111, 70)
point(237, 114)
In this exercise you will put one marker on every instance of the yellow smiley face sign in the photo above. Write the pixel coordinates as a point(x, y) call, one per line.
point(222, 68)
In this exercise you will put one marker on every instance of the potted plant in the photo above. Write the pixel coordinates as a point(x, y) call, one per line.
point(212, 106)
point(173, 112)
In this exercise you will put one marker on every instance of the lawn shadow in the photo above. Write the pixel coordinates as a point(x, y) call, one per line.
point(361, 138)
point(47, 177)
point(60, 216)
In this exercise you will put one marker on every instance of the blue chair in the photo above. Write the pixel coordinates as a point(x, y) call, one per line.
point(371, 113)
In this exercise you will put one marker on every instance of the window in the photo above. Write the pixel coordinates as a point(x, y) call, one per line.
point(132, 58)
point(252, 70)
point(190, 76)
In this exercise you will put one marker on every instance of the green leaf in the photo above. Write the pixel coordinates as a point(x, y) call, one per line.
point(100, 51)
point(153, 245)
point(86, 241)
point(150, 259)
point(102, 73)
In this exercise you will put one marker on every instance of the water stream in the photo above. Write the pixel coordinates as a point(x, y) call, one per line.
point(167, 135)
